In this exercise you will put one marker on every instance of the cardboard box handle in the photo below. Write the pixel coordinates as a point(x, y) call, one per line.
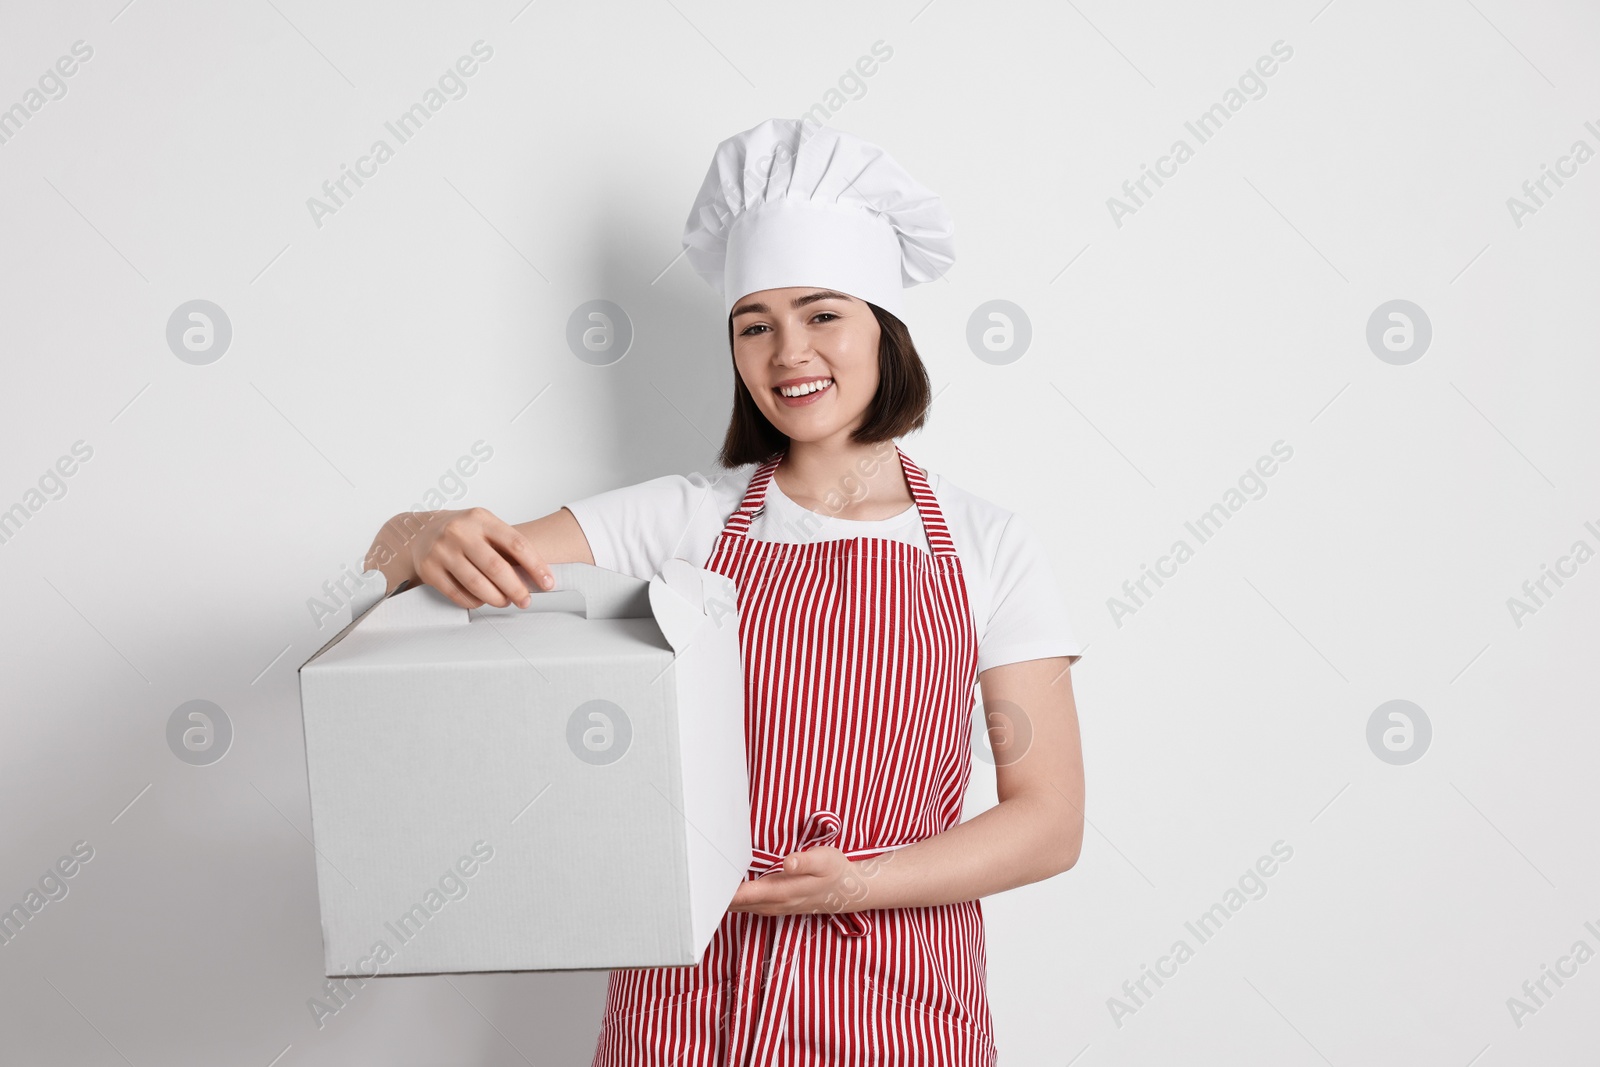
point(582, 589)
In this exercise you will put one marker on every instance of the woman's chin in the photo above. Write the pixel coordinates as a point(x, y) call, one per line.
point(809, 431)
point(808, 424)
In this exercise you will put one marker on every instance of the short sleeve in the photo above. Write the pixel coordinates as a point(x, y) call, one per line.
point(1028, 616)
point(636, 528)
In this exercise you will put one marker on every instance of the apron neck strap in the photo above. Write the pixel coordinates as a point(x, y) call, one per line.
point(933, 523)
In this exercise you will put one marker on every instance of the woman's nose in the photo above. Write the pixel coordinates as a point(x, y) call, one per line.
point(793, 347)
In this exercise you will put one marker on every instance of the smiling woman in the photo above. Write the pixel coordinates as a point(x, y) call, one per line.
point(861, 649)
point(823, 352)
point(873, 597)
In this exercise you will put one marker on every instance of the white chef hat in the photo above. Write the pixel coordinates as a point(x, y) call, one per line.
point(786, 204)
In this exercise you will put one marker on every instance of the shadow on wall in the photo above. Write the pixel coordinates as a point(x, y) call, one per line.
point(662, 405)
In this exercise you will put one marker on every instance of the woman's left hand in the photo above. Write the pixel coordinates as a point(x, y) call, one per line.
point(811, 881)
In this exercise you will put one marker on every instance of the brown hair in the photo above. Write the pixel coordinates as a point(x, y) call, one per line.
point(900, 405)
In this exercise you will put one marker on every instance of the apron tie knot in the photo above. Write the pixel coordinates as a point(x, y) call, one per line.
point(822, 827)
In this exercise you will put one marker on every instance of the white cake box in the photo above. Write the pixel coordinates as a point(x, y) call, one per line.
point(550, 788)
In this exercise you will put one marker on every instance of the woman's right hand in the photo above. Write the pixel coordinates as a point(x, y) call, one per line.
point(467, 555)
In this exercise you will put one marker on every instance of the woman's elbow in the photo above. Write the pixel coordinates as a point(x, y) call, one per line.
point(1069, 841)
point(1069, 857)
point(1055, 839)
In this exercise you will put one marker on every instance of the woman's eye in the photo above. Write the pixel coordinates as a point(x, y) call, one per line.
point(753, 328)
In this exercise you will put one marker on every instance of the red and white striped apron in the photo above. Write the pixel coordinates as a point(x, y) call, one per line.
point(859, 658)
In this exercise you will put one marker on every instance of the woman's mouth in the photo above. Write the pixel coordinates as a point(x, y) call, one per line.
point(796, 396)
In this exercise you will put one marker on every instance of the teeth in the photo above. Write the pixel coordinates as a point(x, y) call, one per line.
point(808, 387)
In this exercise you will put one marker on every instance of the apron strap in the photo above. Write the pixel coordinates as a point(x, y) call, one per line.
point(933, 524)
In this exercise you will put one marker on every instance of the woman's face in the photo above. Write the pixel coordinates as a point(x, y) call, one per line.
point(818, 339)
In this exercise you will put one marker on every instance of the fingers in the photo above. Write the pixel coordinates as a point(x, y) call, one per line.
point(802, 863)
point(438, 577)
point(464, 550)
point(755, 897)
point(466, 567)
point(493, 571)
point(511, 541)
point(469, 557)
point(449, 554)
point(780, 891)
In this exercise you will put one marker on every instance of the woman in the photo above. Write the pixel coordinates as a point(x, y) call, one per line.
point(871, 596)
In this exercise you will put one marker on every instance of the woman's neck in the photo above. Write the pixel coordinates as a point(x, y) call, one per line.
point(848, 481)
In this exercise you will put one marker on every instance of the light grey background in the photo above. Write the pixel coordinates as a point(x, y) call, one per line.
point(1168, 353)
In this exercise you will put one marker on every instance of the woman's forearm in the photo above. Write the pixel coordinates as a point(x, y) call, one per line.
point(1022, 840)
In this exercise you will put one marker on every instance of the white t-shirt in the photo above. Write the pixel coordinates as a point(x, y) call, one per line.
point(1016, 604)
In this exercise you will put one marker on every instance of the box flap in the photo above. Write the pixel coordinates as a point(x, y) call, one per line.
point(368, 596)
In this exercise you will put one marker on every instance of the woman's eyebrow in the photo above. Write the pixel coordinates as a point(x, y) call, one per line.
point(758, 308)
